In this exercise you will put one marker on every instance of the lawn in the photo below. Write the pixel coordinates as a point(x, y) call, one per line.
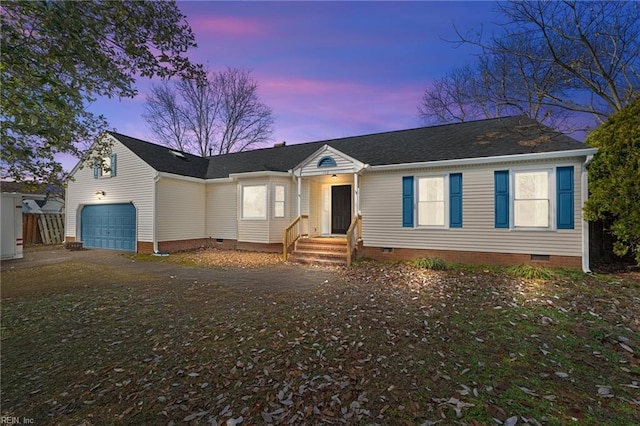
point(379, 343)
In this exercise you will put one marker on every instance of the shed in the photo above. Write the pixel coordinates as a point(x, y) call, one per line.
point(11, 226)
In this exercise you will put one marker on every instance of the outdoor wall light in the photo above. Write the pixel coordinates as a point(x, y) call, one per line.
point(334, 176)
point(100, 194)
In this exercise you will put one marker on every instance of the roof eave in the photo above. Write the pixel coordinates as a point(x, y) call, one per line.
point(488, 160)
point(179, 177)
point(258, 174)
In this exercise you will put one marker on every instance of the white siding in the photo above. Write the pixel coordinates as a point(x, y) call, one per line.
point(222, 210)
point(381, 205)
point(314, 208)
point(180, 209)
point(133, 182)
point(277, 225)
point(271, 229)
point(252, 230)
point(305, 196)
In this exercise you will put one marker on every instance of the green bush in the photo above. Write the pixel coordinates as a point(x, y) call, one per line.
point(434, 263)
point(531, 272)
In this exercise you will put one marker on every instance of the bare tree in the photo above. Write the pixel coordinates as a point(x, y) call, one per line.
point(495, 85)
point(217, 115)
point(452, 97)
point(165, 116)
point(245, 121)
point(199, 112)
point(554, 61)
point(595, 46)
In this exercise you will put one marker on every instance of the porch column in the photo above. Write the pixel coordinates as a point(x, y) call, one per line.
point(300, 202)
point(356, 194)
point(300, 194)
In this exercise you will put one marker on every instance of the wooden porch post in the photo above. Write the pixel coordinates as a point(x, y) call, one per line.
point(300, 201)
point(356, 194)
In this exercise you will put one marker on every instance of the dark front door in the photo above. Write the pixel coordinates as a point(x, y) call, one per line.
point(340, 209)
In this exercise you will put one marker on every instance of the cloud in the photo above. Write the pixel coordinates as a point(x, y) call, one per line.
point(315, 109)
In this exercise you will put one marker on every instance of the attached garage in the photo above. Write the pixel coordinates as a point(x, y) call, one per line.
point(109, 226)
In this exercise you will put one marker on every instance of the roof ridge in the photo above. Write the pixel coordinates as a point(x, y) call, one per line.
point(387, 132)
point(456, 123)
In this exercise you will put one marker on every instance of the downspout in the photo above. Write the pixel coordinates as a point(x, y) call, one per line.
point(585, 224)
point(156, 179)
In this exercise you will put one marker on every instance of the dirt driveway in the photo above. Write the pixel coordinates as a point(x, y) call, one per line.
point(52, 270)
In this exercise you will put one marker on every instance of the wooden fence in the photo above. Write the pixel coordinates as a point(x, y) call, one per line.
point(42, 228)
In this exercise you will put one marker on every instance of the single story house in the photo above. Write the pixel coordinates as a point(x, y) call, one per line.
point(496, 191)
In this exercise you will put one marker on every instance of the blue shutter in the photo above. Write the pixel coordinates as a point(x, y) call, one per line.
point(113, 164)
point(96, 170)
point(407, 202)
point(564, 194)
point(501, 190)
point(455, 200)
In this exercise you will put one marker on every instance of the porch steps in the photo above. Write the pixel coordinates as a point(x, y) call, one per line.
point(320, 251)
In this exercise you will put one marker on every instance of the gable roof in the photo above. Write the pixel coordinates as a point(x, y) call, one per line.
point(473, 139)
point(164, 159)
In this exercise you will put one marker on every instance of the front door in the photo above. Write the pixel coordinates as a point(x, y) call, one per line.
point(340, 209)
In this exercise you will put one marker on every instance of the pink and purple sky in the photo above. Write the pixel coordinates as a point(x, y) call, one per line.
point(327, 69)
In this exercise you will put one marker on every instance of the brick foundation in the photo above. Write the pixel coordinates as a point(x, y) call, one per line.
point(184, 245)
point(145, 247)
point(224, 244)
point(69, 239)
point(470, 257)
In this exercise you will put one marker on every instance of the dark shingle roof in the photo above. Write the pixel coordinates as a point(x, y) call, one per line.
point(474, 139)
point(162, 158)
point(28, 187)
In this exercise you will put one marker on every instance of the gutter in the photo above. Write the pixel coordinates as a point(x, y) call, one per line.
point(487, 160)
point(180, 177)
point(246, 175)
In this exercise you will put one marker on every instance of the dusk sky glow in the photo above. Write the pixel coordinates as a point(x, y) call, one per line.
point(327, 69)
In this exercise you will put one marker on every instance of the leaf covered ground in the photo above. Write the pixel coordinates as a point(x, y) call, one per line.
point(375, 344)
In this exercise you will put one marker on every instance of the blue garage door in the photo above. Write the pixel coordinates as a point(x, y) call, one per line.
point(110, 226)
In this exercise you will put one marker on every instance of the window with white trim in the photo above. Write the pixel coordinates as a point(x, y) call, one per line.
point(531, 199)
point(278, 200)
point(254, 201)
point(431, 201)
point(105, 168)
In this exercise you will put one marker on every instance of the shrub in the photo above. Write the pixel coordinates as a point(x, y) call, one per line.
point(434, 263)
point(531, 272)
